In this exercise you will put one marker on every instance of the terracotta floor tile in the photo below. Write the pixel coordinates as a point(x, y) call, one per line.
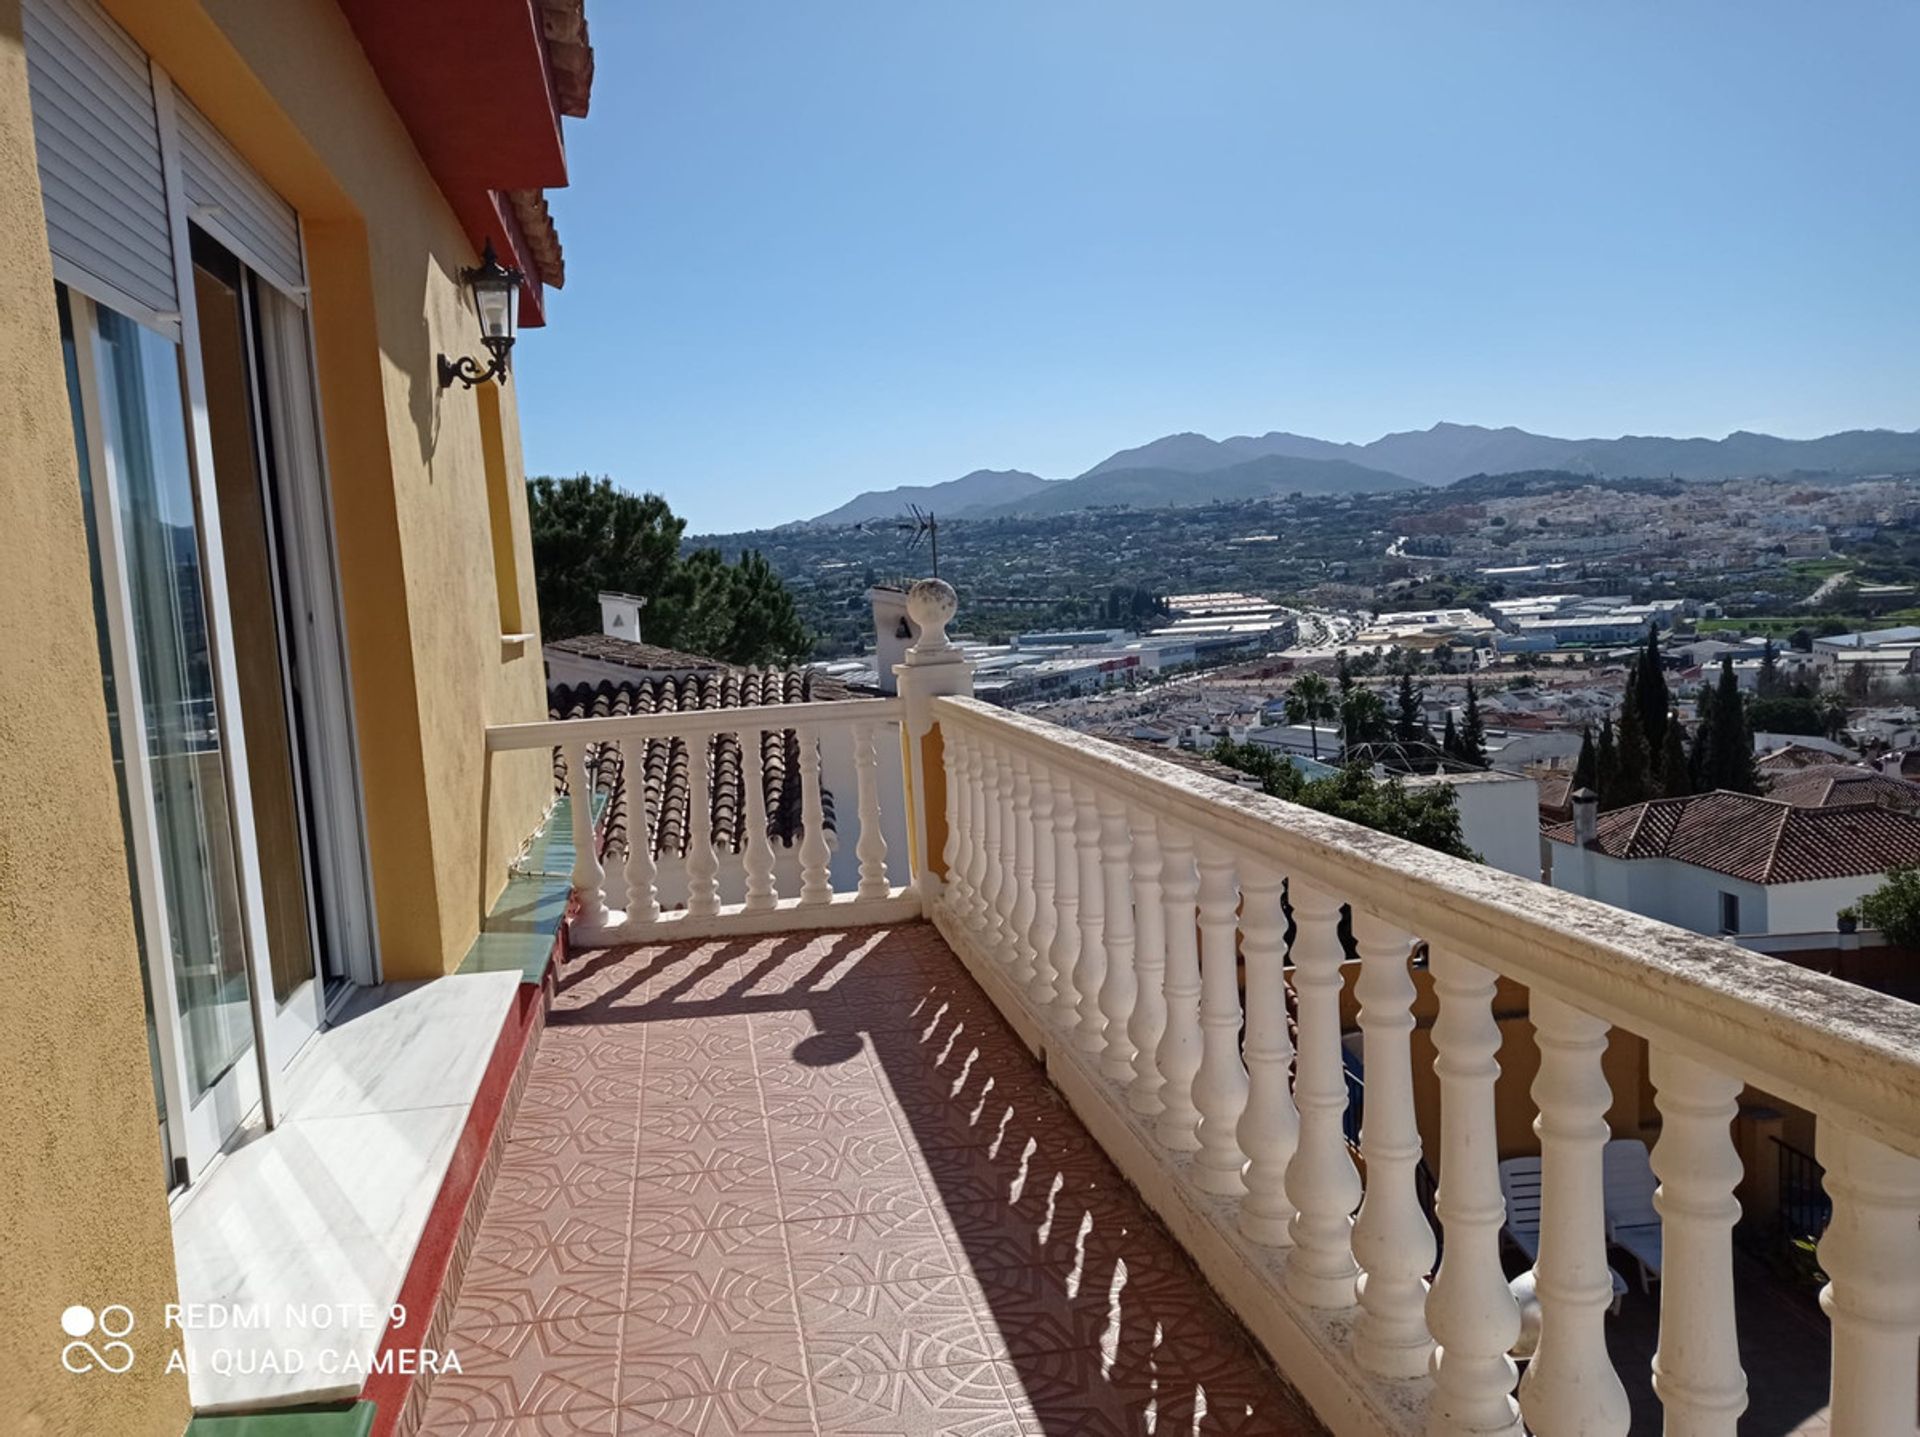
point(813, 1184)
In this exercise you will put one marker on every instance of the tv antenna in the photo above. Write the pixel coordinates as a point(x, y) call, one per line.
point(922, 528)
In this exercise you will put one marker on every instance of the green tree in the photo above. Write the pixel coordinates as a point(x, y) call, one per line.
point(1310, 701)
point(1632, 762)
point(1723, 739)
point(1768, 684)
point(589, 537)
point(1428, 815)
point(1583, 773)
point(1676, 776)
point(1409, 724)
point(1605, 765)
point(1782, 714)
point(1450, 738)
point(1894, 907)
point(1647, 690)
point(1363, 717)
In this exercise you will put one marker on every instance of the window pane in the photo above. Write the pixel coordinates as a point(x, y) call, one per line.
point(145, 427)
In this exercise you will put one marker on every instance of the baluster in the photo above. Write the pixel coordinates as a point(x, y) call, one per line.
point(613, 863)
point(1041, 991)
point(1321, 1180)
point(703, 865)
point(1090, 964)
point(643, 898)
point(1871, 1255)
point(954, 852)
point(586, 859)
point(1220, 1087)
point(994, 835)
point(872, 847)
point(1020, 910)
point(1392, 1241)
point(758, 857)
point(978, 861)
point(1269, 1126)
point(1148, 1024)
point(1066, 901)
point(1470, 1309)
point(816, 876)
point(1120, 986)
point(1180, 1044)
point(1696, 1369)
point(1570, 1385)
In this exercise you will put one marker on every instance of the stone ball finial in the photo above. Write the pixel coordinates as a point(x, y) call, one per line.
point(931, 604)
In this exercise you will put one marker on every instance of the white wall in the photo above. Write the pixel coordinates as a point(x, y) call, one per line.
point(1688, 896)
point(1499, 817)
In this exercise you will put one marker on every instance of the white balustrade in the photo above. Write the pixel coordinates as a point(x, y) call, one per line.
point(1066, 901)
point(1220, 1087)
point(1871, 1255)
point(1470, 1309)
point(1020, 912)
point(1180, 1046)
point(703, 864)
point(994, 846)
point(586, 855)
point(761, 893)
point(1322, 1182)
point(1046, 915)
point(1090, 963)
point(643, 896)
point(1391, 1239)
point(1570, 1385)
point(816, 883)
point(1269, 1125)
point(966, 801)
point(1148, 1022)
point(1118, 987)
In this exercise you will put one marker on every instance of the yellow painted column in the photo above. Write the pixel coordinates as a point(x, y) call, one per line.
point(83, 1212)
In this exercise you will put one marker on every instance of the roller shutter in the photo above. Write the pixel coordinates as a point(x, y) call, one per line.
point(233, 204)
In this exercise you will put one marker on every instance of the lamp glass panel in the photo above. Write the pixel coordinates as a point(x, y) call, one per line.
point(494, 305)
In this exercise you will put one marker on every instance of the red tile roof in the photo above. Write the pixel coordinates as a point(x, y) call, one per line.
point(1838, 785)
point(1761, 840)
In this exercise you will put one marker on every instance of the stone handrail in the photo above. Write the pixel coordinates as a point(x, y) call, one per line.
point(1108, 900)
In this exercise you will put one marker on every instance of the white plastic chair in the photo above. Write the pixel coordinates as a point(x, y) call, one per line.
point(1633, 1222)
point(1520, 1186)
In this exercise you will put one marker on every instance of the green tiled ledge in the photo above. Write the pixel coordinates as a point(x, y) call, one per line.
point(518, 932)
point(354, 1421)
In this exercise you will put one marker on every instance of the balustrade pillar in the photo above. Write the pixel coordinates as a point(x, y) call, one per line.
point(1064, 957)
point(1118, 989)
point(1871, 1255)
point(643, 895)
point(1148, 1021)
point(1180, 1044)
point(1046, 916)
point(1269, 1125)
point(872, 847)
point(586, 856)
point(1470, 1308)
point(994, 834)
point(1570, 1386)
point(613, 877)
point(1392, 1241)
point(1090, 965)
point(1321, 1180)
point(703, 864)
point(1220, 1087)
point(816, 877)
point(1020, 910)
point(1696, 1369)
point(953, 853)
point(977, 859)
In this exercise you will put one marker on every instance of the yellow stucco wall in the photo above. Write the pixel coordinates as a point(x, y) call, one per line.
point(291, 88)
point(83, 1212)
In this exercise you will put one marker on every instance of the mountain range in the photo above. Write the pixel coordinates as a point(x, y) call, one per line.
point(1194, 469)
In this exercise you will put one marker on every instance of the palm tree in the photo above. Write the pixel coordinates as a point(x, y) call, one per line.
point(1310, 701)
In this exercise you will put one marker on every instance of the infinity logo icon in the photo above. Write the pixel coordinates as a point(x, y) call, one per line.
point(113, 1322)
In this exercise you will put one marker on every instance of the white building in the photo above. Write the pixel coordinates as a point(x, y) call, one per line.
point(1729, 862)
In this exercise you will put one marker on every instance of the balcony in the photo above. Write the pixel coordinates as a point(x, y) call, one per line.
point(1196, 970)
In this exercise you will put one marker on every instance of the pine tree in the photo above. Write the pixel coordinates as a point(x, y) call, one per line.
point(1647, 686)
point(1473, 731)
point(1605, 766)
point(1583, 775)
point(1675, 780)
point(1343, 673)
point(1768, 683)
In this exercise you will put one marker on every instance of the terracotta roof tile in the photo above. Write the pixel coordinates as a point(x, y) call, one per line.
point(650, 658)
point(1838, 785)
point(1761, 840)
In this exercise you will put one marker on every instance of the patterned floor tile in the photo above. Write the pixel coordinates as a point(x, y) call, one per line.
point(813, 1184)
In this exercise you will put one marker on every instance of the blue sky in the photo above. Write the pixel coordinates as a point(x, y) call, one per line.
point(820, 246)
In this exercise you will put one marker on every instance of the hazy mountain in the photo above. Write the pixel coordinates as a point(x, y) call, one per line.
point(1165, 486)
point(1165, 471)
point(980, 489)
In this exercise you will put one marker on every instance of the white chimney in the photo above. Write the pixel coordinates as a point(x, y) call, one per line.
point(620, 615)
point(1892, 765)
point(1586, 817)
point(893, 633)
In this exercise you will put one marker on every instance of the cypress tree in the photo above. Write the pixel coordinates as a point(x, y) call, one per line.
point(1648, 686)
point(1631, 763)
point(1583, 774)
point(1604, 765)
point(1733, 740)
point(1700, 760)
point(1675, 780)
point(1449, 739)
point(1473, 732)
point(1406, 720)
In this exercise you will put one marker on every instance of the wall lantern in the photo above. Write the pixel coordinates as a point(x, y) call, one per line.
point(494, 287)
